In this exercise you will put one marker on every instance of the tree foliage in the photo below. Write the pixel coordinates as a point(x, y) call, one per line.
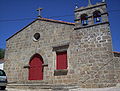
point(2, 53)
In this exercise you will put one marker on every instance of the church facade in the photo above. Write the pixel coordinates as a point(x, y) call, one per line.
point(61, 53)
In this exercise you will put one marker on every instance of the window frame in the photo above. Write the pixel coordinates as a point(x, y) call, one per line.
point(60, 48)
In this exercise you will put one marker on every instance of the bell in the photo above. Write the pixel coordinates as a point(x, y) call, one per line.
point(85, 22)
point(98, 19)
point(103, 0)
point(76, 6)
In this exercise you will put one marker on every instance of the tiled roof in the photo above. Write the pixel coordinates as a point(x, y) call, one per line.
point(57, 21)
point(116, 52)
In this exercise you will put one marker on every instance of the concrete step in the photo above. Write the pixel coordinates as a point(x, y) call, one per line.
point(42, 86)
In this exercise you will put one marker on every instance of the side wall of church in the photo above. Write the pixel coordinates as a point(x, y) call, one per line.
point(117, 69)
point(91, 51)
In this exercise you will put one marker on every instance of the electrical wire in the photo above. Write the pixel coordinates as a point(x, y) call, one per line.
point(23, 19)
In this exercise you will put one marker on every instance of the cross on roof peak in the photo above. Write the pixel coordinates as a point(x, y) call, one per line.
point(89, 2)
point(39, 12)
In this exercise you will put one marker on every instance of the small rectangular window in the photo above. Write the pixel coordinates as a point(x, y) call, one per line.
point(61, 60)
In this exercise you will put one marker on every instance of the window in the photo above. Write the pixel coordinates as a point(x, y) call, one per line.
point(36, 36)
point(61, 60)
point(84, 19)
point(97, 16)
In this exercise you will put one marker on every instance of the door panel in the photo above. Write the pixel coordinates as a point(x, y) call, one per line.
point(62, 60)
point(36, 69)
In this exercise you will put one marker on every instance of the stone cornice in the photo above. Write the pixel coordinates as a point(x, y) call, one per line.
point(91, 25)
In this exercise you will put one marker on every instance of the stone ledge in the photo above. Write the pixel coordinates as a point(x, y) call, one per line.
point(60, 72)
point(81, 27)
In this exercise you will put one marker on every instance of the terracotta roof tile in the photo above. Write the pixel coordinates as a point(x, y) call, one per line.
point(116, 52)
point(57, 21)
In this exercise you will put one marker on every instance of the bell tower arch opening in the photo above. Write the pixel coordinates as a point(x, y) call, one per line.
point(97, 16)
point(84, 19)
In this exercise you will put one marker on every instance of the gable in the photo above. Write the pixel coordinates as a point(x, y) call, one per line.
point(43, 19)
point(51, 32)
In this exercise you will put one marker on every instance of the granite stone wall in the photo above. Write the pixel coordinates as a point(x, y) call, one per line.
point(91, 55)
point(92, 49)
point(117, 69)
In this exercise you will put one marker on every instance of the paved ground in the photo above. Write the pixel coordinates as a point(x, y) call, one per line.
point(97, 89)
point(81, 89)
point(9, 89)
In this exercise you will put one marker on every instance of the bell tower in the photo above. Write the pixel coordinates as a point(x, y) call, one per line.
point(92, 47)
point(91, 15)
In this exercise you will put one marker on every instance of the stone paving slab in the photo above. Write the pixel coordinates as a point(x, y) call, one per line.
point(97, 89)
point(10, 89)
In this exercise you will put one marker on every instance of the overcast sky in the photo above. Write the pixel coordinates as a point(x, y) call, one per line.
point(16, 14)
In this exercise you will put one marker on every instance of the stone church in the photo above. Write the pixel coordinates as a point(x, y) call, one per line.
point(53, 53)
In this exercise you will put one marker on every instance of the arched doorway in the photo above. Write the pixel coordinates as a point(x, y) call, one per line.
point(36, 68)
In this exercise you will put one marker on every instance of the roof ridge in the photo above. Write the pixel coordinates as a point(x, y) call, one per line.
point(59, 21)
point(116, 52)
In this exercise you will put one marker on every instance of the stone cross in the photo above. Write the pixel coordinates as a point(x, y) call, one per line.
point(39, 12)
point(103, 0)
point(89, 2)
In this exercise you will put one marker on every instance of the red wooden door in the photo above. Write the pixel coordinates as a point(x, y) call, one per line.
point(36, 69)
point(62, 60)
